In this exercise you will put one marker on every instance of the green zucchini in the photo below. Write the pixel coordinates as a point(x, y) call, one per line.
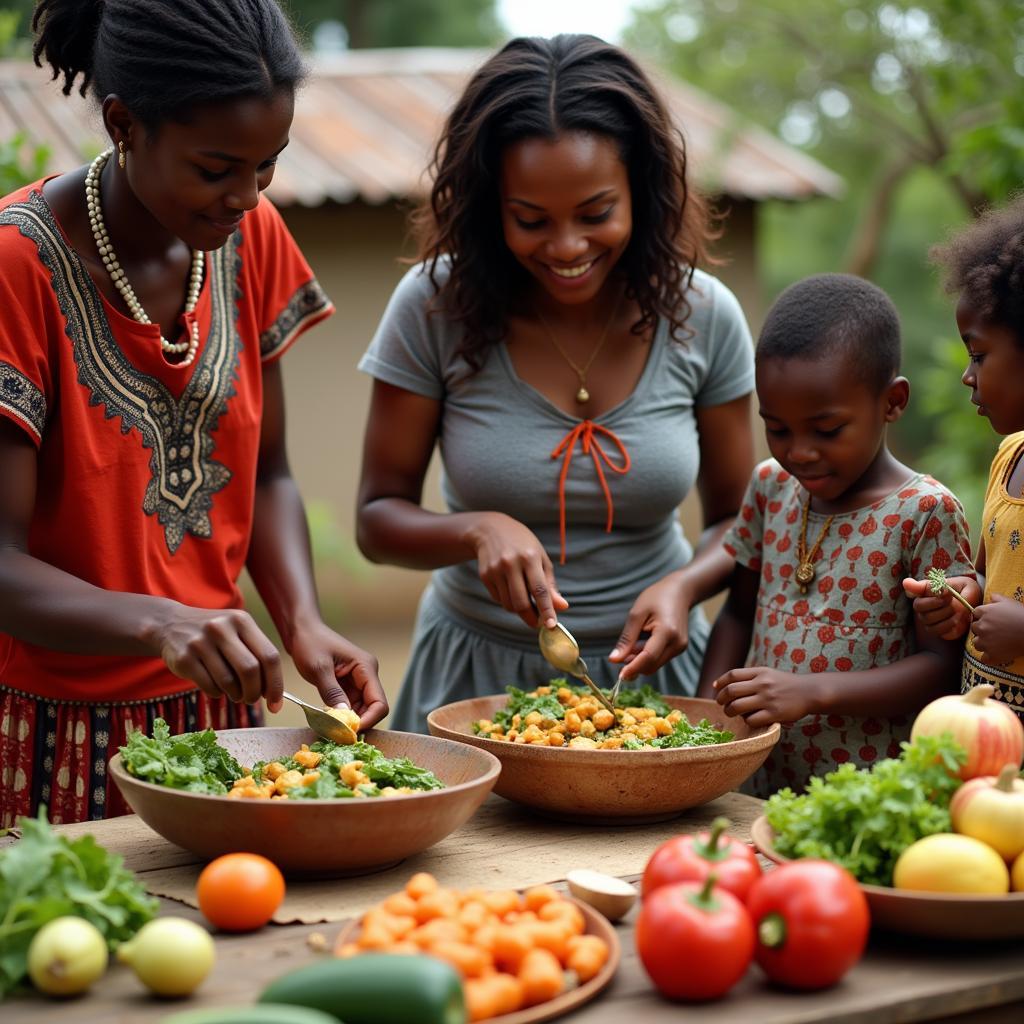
point(265, 1013)
point(376, 988)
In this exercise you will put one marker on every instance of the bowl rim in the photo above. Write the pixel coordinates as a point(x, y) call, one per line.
point(764, 736)
point(116, 768)
point(762, 834)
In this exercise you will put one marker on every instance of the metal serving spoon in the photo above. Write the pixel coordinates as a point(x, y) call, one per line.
point(323, 724)
point(559, 646)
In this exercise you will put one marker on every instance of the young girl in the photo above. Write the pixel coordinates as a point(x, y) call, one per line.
point(579, 374)
point(144, 302)
point(985, 267)
point(828, 530)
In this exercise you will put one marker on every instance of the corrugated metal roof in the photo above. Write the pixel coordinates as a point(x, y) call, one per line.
point(366, 122)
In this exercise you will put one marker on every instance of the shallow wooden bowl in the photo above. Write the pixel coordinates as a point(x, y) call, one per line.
point(328, 838)
point(594, 924)
point(938, 915)
point(613, 787)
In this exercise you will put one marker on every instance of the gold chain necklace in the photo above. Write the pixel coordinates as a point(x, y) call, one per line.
point(582, 395)
point(805, 571)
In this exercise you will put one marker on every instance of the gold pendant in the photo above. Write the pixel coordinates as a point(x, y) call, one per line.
point(804, 576)
point(583, 395)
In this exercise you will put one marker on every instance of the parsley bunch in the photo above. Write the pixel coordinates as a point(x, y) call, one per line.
point(864, 819)
point(45, 875)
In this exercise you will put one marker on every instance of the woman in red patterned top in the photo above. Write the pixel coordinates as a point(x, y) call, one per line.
point(144, 303)
point(817, 615)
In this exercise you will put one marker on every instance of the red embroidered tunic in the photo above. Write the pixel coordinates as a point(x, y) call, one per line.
point(854, 616)
point(146, 471)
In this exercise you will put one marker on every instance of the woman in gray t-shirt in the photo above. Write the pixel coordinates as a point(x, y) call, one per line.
point(579, 376)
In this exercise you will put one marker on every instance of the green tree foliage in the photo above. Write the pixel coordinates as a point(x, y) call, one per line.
point(404, 22)
point(919, 105)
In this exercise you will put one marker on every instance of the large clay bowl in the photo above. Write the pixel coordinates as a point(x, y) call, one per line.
point(319, 837)
point(938, 915)
point(615, 787)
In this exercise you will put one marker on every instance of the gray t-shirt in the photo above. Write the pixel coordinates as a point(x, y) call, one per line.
point(498, 433)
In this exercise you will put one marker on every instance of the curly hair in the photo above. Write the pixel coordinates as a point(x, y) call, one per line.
point(984, 262)
point(165, 57)
point(543, 88)
point(835, 315)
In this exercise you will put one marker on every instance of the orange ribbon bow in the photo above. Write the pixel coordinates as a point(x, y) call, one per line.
point(587, 431)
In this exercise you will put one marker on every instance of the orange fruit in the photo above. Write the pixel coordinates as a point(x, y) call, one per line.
point(239, 892)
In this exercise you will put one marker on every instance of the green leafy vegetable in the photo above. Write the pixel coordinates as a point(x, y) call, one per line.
point(864, 819)
point(192, 761)
point(45, 875)
point(382, 771)
point(703, 734)
point(521, 703)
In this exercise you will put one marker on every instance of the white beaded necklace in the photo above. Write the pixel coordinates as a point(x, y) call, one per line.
point(106, 251)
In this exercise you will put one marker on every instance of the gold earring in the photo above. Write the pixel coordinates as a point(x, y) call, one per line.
point(121, 158)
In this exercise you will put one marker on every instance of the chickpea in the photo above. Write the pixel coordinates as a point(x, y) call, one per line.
point(564, 694)
point(287, 780)
point(542, 691)
point(555, 739)
point(661, 726)
point(588, 728)
point(603, 720)
point(309, 778)
point(351, 775)
point(582, 742)
point(307, 758)
point(273, 770)
point(572, 721)
point(534, 718)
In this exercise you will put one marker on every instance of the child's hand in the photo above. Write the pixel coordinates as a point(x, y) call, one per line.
point(998, 629)
point(941, 614)
point(764, 695)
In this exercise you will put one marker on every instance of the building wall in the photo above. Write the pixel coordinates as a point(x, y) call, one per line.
point(355, 250)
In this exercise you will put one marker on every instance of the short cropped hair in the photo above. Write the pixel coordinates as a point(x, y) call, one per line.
point(984, 263)
point(835, 315)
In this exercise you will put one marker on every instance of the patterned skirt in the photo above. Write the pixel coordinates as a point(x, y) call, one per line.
point(56, 752)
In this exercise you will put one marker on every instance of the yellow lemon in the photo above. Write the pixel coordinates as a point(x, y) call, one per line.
point(1017, 874)
point(950, 863)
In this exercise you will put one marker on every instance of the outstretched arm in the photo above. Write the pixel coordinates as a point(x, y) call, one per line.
point(281, 565)
point(393, 527)
point(663, 609)
point(222, 651)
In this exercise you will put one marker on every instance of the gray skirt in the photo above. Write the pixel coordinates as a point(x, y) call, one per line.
point(454, 659)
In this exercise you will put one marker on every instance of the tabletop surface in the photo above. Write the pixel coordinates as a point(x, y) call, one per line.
point(901, 978)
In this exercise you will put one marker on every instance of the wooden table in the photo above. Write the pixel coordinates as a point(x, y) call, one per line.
point(901, 979)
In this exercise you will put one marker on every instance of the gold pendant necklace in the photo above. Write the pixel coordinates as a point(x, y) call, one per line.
point(582, 394)
point(805, 571)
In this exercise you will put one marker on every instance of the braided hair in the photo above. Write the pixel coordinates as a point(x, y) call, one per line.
point(984, 262)
point(543, 88)
point(165, 57)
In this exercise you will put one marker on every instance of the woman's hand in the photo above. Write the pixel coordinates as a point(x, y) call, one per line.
point(998, 629)
point(765, 695)
point(941, 614)
point(341, 671)
point(662, 611)
point(515, 568)
point(223, 652)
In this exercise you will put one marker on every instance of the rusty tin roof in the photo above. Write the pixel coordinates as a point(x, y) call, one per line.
point(366, 121)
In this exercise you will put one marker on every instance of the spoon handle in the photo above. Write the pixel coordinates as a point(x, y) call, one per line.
point(597, 692)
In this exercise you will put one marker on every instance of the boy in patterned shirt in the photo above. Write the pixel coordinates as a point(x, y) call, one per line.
point(817, 632)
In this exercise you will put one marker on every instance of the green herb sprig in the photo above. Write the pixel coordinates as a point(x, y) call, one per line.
point(937, 583)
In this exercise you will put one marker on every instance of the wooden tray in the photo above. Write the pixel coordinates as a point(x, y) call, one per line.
point(596, 924)
point(938, 915)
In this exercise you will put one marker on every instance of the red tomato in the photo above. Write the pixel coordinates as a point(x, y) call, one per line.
point(812, 923)
point(239, 892)
point(692, 858)
point(695, 941)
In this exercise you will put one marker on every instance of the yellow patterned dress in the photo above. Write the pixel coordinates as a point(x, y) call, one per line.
point(1003, 536)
